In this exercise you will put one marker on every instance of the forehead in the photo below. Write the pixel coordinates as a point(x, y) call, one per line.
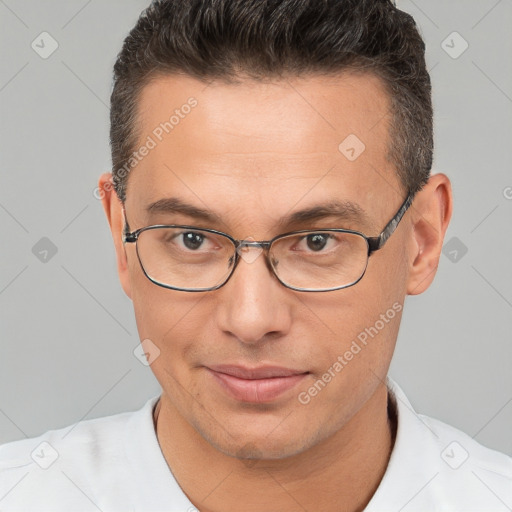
point(314, 112)
point(262, 144)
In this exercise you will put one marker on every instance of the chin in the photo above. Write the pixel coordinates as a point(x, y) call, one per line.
point(261, 444)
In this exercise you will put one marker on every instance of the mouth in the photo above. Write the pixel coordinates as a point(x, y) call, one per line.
point(256, 385)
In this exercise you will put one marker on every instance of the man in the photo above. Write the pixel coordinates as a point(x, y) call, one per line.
point(271, 206)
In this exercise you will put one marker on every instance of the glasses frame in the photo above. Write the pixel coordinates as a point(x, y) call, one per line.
point(374, 244)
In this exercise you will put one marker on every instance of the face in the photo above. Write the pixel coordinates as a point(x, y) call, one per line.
point(251, 154)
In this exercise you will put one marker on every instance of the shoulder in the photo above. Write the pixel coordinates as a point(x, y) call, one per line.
point(87, 439)
point(466, 474)
point(457, 448)
point(70, 466)
point(435, 466)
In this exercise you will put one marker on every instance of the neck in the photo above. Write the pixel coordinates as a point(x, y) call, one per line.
point(339, 474)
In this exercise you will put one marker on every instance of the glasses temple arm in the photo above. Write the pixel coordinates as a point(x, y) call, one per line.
point(376, 242)
point(126, 235)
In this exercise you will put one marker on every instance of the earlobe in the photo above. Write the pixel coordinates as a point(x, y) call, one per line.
point(431, 212)
point(114, 212)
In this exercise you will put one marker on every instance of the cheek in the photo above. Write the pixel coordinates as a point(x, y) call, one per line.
point(366, 312)
point(162, 315)
point(362, 336)
point(166, 320)
point(354, 363)
point(358, 334)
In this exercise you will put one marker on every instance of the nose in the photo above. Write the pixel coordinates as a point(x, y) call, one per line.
point(253, 306)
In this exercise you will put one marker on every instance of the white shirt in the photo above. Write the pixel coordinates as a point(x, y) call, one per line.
point(115, 463)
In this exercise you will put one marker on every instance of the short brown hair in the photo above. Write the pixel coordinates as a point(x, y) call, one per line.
point(261, 39)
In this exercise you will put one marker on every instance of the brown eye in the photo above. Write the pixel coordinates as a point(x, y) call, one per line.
point(192, 240)
point(317, 241)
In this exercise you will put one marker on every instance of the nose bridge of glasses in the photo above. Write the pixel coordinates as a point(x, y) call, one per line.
point(250, 242)
point(243, 246)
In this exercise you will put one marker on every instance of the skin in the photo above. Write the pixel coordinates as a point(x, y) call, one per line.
point(253, 152)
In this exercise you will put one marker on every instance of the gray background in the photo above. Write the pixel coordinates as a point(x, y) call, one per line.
point(67, 329)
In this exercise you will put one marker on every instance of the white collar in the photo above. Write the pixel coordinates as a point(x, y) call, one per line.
point(418, 476)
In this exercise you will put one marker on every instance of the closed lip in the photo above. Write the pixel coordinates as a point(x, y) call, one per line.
point(263, 384)
point(260, 372)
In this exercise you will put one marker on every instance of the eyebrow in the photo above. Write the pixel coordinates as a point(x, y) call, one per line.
point(344, 211)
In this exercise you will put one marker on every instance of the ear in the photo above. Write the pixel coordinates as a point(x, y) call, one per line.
point(114, 212)
point(430, 214)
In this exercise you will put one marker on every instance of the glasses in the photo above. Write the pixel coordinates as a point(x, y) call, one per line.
point(190, 259)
